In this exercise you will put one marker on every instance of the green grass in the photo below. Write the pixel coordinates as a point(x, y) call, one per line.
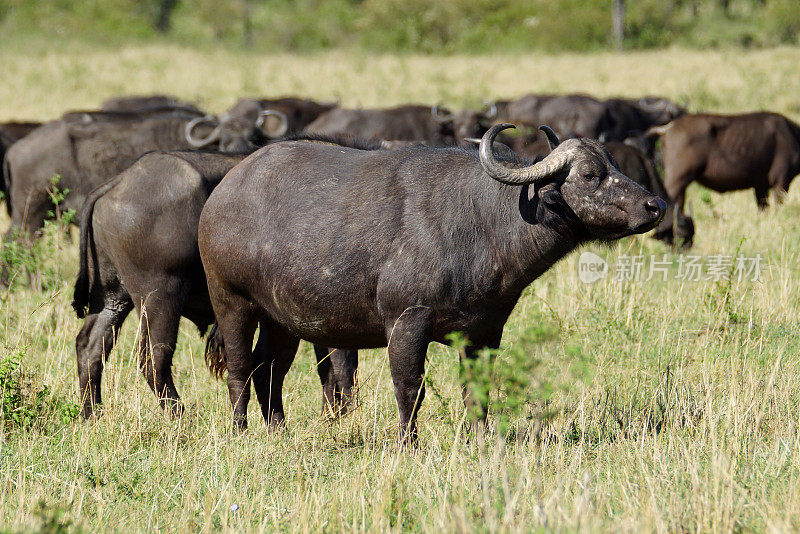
point(683, 414)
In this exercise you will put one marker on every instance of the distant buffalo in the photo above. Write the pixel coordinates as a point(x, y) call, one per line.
point(730, 152)
point(370, 248)
point(84, 149)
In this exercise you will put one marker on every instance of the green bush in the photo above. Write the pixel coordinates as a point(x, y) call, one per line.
point(24, 404)
point(782, 21)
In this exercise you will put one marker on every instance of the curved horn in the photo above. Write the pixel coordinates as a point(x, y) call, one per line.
point(502, 149)
point(554, 163)
point(552, 138)
point(200, 143)
point(281, 130)
point(439, 116)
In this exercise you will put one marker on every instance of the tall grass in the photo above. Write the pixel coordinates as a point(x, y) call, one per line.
point(687, 418)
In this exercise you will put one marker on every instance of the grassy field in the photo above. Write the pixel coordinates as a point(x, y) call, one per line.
point(684, 415)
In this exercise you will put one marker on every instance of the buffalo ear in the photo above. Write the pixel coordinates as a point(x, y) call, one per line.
point(551, 197)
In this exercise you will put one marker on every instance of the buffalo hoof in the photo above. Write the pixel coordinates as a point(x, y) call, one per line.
point(173, 407)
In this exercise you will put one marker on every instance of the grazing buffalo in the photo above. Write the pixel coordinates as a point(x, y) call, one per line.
point(146, 103)
point(251, 123)
point(85, 149)
point(396, 248)
point(10, 133)
point(404, 123)
point(139, 250)
point(730, 152)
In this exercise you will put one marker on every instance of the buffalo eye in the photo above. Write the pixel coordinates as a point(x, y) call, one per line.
point(589, 176)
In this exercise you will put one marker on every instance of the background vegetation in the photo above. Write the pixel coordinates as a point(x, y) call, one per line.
point(661, 405)
point(430, 26)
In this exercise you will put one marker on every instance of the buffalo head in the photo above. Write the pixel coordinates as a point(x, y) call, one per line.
point(242, 129)
point(580, 180)
point(465, 123)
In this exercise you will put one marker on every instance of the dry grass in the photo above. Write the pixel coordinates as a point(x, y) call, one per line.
point(688, 421)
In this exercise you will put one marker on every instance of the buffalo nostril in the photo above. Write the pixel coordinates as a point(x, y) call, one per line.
point(656, 206)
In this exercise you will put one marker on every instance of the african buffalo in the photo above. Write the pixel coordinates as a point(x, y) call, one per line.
point(402, 123)
point(85, 149)
point(396, 248)
point(730, 152)
point(139, 250)
point(251, 123)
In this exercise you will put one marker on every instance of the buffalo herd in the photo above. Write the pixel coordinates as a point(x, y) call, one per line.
point(286, 218)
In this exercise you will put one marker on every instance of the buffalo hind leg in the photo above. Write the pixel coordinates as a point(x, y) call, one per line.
point(93, 344)
point(337, 373)
point(408, 338)
point(237, 320)
point(273, 356)
point(158, 335)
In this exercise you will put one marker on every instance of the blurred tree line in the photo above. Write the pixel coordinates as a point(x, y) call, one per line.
point(430, 26)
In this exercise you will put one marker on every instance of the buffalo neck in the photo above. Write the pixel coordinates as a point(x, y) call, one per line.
point(526, 237)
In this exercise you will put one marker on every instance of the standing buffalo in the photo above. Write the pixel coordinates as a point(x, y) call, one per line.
point(85, 149)
point(396, 248)
point(403, 123)
point(730, 152)
point(251, 123)
point(139, 250)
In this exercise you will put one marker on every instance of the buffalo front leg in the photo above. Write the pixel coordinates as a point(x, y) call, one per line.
point(475, 387)
point(408, 338)
point(337, 373)
point(272, 357)
point(93, 344)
